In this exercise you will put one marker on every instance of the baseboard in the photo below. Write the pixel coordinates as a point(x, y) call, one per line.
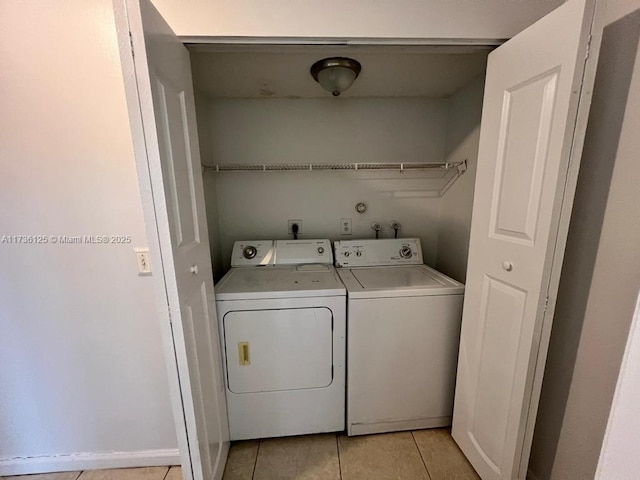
point(88, 461)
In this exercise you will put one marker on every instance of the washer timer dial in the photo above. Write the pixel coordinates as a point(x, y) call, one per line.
point(405, 252)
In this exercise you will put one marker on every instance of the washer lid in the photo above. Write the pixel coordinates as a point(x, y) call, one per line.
point(400, 281)
point(279, 282)
point(395, 277)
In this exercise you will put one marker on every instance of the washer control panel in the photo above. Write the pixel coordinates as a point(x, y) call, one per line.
point(370, 253)
point(248, 253)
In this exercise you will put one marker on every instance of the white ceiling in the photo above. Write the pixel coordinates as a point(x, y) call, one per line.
point(283, 71)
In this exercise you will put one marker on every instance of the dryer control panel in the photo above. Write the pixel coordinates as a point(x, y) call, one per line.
point(258, 253)
point(301, 252)
point(374, 253)
point(253, 253)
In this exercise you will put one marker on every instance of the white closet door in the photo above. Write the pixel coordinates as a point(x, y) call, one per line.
point(523, 197)
point(157, 73)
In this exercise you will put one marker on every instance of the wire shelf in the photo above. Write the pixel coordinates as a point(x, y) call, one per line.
point(453, 171)
point(290, 167)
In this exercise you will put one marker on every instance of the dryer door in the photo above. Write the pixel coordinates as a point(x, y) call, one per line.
point(274, 350)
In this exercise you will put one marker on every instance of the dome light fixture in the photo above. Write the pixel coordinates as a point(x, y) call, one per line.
point(336, 74)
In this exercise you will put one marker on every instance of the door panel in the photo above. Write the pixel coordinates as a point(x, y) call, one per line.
point(159, 89)
point(532, 95)
point(402, 362)
point(198, 333)
point(522, 154)
point(178, 166)
point(501, 318)
point(275, 350)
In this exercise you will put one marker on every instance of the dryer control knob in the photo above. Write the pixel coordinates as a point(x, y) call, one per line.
point(320, 250)
point(405, 252)
point(249, 252)
point(346, 254)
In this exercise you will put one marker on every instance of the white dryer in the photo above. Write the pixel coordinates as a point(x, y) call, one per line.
point(282, 318)
point(402, 336)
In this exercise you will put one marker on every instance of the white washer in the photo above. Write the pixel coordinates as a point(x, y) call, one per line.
point(403, 332)
point(282, 318)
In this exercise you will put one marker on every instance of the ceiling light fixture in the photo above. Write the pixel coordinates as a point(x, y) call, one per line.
point(336, 74)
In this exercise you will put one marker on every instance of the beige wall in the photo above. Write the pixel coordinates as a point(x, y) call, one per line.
point(203, 110)
point(258, 205)
point(82, 369)
point(353, 18)
point(463, 135)
point(601, 271)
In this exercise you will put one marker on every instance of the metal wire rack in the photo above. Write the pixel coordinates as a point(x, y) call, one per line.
point(291, 167)
point(451, 171)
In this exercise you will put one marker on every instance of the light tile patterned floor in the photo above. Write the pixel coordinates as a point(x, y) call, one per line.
point(145, 473)
point(419, 455)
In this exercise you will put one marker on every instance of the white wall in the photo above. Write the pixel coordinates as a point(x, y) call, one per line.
point(619, 457)
point(463, 135)
point(488, 19)
point(82, 367)
point(258, 205)
point(203, 110)
point(601, 270)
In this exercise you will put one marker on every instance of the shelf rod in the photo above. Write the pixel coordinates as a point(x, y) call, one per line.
point(401, 167)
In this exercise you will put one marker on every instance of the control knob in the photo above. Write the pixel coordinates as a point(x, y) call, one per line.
point(346, 254)
point(320, 250)
point(249, 252)
point(405, 252)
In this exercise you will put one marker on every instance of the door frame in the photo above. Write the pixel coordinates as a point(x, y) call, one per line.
point(147, 171)
point(341, 41)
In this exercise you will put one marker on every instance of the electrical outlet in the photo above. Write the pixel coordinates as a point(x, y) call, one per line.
point(345, 226)
point(144, 265)
point(291, 223)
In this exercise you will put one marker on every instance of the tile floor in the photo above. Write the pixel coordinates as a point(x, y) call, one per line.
point(419, 455)
point(145, 473)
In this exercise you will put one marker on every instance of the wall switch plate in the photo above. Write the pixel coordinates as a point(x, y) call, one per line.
point(144, 265)
point(290, 224)
point(345, 226)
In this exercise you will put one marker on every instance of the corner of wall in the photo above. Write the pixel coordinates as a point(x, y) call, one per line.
point(209, 183)
point(463, 135)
